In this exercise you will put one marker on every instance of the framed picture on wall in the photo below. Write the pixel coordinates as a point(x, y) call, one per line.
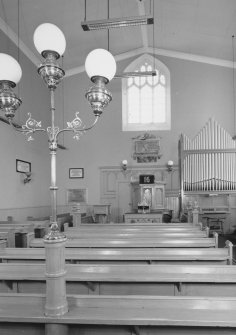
point(76, 173)
point(23, 166)
point(77, 195)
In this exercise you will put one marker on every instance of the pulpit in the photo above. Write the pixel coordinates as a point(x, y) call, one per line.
point(148, 202)
point(151, 194)
point(102, 213)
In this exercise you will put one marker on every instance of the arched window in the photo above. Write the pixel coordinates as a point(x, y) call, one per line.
point(146, 100)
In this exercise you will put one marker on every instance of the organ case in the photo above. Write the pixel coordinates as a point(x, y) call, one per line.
point(207, 167)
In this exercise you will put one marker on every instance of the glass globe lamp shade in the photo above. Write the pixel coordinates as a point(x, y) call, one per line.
point(100, 63)
point(48, 37)
point(10, 69)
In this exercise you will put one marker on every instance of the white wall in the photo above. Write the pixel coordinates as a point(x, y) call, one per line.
point(15, 196)
point(198, 91)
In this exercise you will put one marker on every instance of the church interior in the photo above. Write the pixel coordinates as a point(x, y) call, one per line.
point(118, 167)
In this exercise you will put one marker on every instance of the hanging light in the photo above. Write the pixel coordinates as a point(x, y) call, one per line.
point(10, 75)
point(117, 22)
point(50, 42)
point(100, 66)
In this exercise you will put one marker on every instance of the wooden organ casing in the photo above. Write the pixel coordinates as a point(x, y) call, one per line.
point(207, 162)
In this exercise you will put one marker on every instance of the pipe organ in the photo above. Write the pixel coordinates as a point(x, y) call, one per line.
point(208, 161)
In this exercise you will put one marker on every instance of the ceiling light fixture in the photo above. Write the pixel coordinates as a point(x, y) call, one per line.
point(100, 66)
point(117, 22)
point(136, 74)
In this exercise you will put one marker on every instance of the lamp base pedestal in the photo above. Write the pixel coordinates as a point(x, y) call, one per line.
point(56, 302)
point(58, 329)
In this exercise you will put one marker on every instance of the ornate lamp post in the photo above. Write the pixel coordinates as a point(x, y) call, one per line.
point(100, 66)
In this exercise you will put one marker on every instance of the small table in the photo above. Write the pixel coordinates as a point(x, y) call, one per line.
point(102, 213)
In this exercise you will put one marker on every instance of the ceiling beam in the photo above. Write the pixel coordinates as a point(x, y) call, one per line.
point(18, 42)
point(144, 34)
point(160, 52)
point(191, 57)
point(118, 58)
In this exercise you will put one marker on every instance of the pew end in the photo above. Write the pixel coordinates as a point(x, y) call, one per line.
point(29, 239)
point(3, 244)
point(230, 246)
point(216, 237)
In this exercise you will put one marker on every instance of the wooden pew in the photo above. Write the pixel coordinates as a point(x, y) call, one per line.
point(11, 228)
point(137, 225)
point(134, 243)
point(61, 219)
point(24, 224)
point(116, 315)
point(134, 229)
point(203, 280)
point(4, 237)
point(144, 234)
point(126, 255)
point(3, 244)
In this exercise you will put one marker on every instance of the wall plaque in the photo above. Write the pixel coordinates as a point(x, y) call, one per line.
point(146, 179)
point(146, 148)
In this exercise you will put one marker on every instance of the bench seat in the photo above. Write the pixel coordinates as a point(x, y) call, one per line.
point(3, 235)
point(126, 273)
point(138, 225)
point(134, 243)
point(132, 230)
point(126, 311)
point(123, 255)
point(152, 234)
point(126, 279)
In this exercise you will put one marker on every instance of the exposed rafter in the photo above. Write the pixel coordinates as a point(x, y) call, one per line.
point(141, 10)
point(4, 27)
point(119, 57)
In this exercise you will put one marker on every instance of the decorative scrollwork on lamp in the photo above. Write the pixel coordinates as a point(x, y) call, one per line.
point(50, 42)
point(100, 66)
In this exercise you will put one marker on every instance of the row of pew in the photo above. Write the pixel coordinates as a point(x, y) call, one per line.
point(126, 279)
point(10, 229)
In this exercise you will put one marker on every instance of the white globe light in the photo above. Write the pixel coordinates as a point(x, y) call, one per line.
point(9, 68)
point(49, 37)
point(100, 62)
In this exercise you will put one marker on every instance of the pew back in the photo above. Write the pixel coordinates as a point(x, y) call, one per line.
point(134, 243)
point(129, 279)
point(115, 235)
point(124, 255)
point(114, 313)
